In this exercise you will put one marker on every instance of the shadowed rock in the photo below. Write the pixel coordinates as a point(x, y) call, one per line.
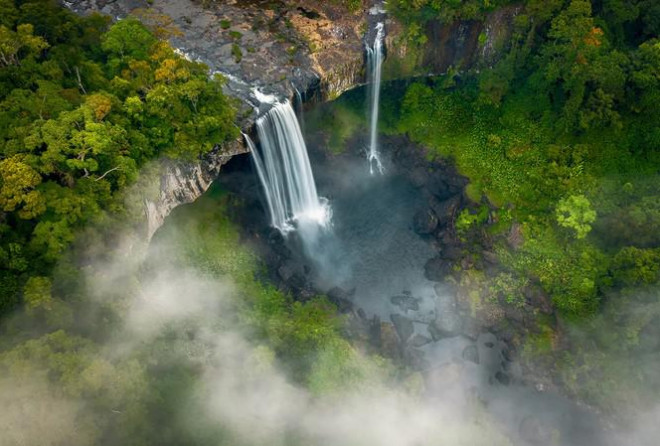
point(404, 326)
point(436, 269)
point(405, 302)
point(425, 222)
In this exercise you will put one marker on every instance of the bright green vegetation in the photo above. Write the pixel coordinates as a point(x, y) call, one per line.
point(563, 137)
point(83, 105)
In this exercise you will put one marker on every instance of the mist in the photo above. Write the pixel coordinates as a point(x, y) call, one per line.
point(242, 387)
point(174, 316)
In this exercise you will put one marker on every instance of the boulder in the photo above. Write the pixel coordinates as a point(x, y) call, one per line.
point(341, 298)
point(445, 209)
point(436, 269)
point(425, 222)
point(404, 326)
point(419, 177)
point(502, 378)
point(292, 273)
point(452, 253)
point(445, 298)
point(406, 302)
point(447, 324)
point(470, 353)
point(471, 328)
point(415, 358)
point(418, 340)
point(388, 341)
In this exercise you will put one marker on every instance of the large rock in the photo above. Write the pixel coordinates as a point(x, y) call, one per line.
point(447, 324)
point(388, 340)
point(406, 302)
point(341, 298)
point(470, 353)
point(293, 274)
point(436, 269)
point(425, 222)
point(445, 297)
point(404, 326)
point(445, 209)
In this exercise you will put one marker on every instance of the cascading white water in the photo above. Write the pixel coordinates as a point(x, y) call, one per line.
point(300, 113)
point(285, 173)
point(374, 66)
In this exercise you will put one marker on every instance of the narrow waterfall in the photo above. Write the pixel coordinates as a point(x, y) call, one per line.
point(374, 66)
point(300, 112)
point(285, 173)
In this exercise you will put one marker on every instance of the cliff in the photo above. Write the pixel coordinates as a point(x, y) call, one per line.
point(309, 48)
point(462, 45)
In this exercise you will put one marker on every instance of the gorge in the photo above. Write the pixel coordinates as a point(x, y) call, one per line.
point(194, 251)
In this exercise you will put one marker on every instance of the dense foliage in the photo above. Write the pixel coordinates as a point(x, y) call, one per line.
point(562, 136)
point(83, 105)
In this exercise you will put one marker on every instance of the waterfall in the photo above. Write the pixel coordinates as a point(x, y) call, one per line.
point(285, 173)
point(300, 112)
point(374, 66)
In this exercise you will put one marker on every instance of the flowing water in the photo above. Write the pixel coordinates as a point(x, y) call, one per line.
point(286, 175)
point(374, 66)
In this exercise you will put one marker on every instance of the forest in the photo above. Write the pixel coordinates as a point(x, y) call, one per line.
point(194, 343)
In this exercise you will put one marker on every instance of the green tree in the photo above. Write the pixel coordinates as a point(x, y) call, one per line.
point(18, 188)
point(575, 212)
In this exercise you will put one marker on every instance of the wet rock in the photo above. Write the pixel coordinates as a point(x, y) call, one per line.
point(277, 243)
point(502, 378)
point(288, 269)
point(388, 341)
point(436, 269)
point(419, 177)
point(445, 299)
point(342, 299)
point(404, 326)
point(470, 353)
point(471, 328)
point(447, 324)
point(425, 222)
point(406, 302)
point(293, 274)
point(451, 253)
point(415, 358)
point(440, 189)
point(418, 340)
point(445, 209)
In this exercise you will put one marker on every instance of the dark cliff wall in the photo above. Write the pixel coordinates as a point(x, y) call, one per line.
point(462, 45)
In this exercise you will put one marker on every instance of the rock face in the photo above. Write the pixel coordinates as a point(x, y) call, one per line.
point(285, 46)
point(461, 45)
point(184, 181)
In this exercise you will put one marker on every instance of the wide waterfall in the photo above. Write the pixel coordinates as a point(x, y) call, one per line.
point(285, 173)
point(374, 67)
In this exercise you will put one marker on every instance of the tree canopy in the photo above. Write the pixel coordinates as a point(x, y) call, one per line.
point(83, 105)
